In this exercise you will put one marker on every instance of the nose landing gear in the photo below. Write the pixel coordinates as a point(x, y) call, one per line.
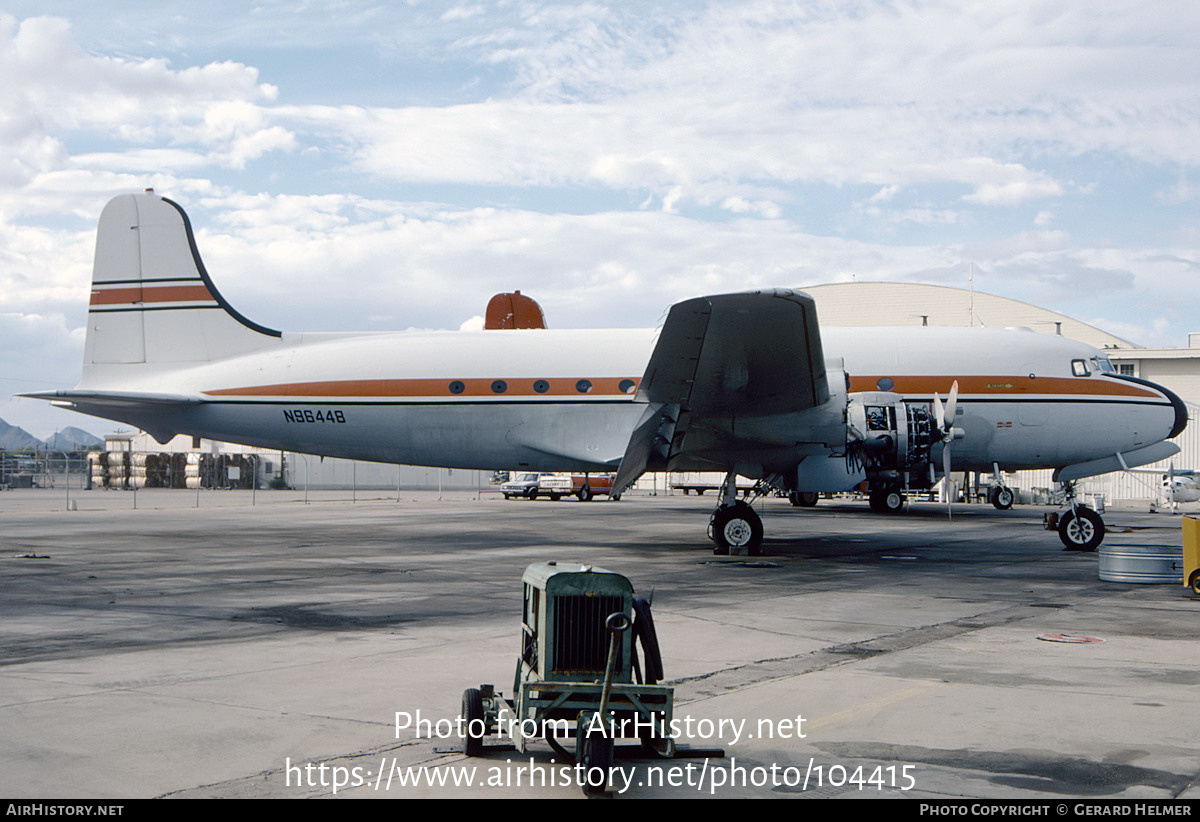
point(1080, 528)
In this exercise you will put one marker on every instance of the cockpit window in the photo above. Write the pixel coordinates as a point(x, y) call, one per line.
point(1103, 364)
point(1080, 368)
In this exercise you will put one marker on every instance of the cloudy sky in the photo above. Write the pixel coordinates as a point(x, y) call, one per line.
point(358, 165)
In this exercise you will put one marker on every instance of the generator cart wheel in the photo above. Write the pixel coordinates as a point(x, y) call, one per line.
point(1081, 529)
point(473, 722)
point(1195, 582)
point(737, 526)
point(594, 754)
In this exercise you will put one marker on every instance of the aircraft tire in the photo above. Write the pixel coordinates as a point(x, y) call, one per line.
point(585, 494)
point(1081, 530)
point(1001, 498)
point(886, 501)
point(736, 526)
point(473, 719)
point(803, 499)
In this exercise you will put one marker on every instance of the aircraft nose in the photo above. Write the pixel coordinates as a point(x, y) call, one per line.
point(1181, 411)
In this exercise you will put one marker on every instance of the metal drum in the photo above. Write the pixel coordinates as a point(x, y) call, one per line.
point(1155, 564)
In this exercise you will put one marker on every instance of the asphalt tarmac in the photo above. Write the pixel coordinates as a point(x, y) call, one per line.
point(267, 650)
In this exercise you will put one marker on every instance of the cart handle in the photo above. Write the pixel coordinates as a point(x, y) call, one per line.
point(617, 624)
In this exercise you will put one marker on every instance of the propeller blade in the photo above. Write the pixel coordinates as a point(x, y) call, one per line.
point(951, 405)
point(944, 416)
point(946, 474)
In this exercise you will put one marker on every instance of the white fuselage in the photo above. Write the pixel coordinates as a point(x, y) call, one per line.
point(567, 400)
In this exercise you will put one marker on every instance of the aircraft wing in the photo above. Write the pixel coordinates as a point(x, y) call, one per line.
point(722, 359)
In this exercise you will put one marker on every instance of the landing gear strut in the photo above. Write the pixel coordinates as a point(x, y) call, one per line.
point(735, 524)
point(1000, 496)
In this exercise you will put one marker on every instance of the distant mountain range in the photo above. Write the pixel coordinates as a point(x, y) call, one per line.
point(70, 438)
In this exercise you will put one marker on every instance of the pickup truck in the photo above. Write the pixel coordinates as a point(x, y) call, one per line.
point(583, 486)
point(531, 485)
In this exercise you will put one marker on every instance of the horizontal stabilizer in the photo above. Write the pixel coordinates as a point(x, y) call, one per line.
point(149, 411)
point(110, 398)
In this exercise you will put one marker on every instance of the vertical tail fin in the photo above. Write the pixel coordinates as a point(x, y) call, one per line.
point(152, 300)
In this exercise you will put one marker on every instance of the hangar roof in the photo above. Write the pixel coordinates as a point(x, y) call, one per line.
point(882, 304)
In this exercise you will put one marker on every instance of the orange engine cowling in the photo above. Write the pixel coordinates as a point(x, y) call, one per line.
point(513, 310)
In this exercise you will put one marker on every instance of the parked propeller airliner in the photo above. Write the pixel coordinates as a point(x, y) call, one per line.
point(738, 383)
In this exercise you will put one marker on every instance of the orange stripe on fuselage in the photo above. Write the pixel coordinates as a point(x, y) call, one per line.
point(1008, 387)
point(1005, 386)
point(476, 387)
point(152, 294)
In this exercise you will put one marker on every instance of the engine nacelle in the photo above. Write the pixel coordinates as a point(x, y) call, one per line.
point(890, 439)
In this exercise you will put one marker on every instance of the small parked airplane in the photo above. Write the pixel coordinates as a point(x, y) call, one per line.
point(737, 383)
point(1181, 489)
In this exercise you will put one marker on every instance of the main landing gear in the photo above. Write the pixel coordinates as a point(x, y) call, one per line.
point(735, 525)
point(1001, 497)
point(886, 500)
point(804, 499)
